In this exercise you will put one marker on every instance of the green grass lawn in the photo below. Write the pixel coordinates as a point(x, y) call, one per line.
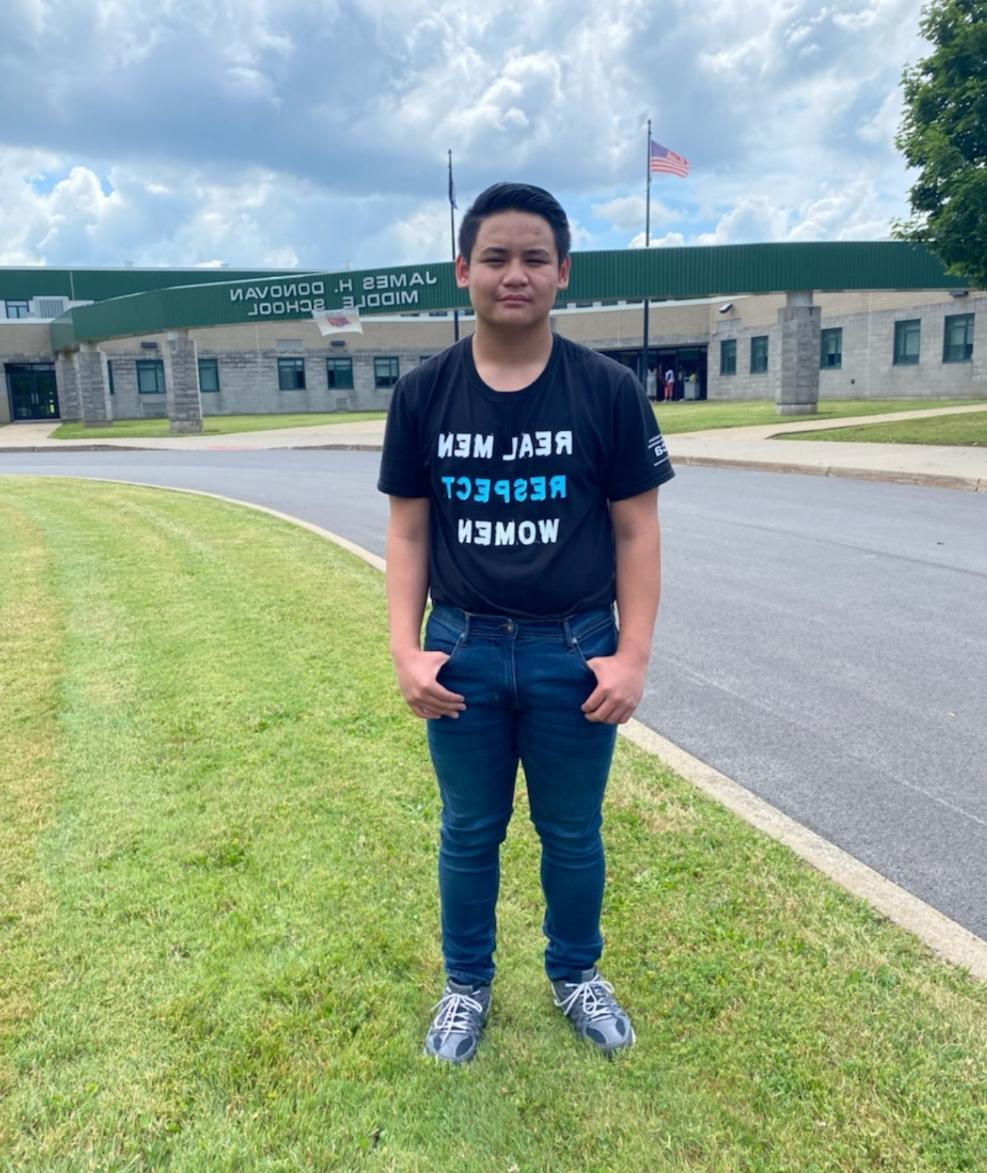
point(683, 416)
point(213, 425)
point(970, 428)
point(218, 924)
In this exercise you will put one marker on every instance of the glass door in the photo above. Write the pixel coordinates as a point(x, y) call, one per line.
point(33, 392)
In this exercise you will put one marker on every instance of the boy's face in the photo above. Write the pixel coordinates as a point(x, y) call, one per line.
point(514, 273)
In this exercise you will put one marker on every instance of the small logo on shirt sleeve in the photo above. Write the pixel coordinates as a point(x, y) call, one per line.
point(659, 452)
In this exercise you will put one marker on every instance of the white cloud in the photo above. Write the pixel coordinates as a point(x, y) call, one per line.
point(627, 213)
point(751, 220)
point(669, 240)
point(257, 131)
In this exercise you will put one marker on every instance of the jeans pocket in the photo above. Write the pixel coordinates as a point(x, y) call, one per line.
point(600, 641)
point(440, 637)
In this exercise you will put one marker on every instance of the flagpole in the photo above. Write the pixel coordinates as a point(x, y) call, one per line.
point(647, 244)
point(452, 238)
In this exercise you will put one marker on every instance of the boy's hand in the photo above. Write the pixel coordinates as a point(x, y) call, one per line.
point(619, 686)
point(416, 672)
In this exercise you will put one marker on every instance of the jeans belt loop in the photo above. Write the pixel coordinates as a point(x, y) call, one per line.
point(570, 640)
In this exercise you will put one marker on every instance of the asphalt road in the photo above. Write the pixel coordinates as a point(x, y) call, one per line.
point(822, 641)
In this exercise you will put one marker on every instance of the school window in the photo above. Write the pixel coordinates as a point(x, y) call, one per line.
point(150, 376)
point(907, 337)
point(339, 373)
point(957, 339)
point(759, 354)
point(831, 348)
point(728, 356)
point(385, 372)
point(18, 309)
point(208, 374)
point(109, 375)
point(291, 374)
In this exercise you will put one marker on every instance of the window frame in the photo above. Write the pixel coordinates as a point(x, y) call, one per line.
point(18, 304)
point(384, 382)
point(213, 363)
point(827, 334)
point(761, 352)
point(143, 365)
point(949, 322)
point(904, 328)
point(335, 364)
point(295, 367)
point(728, 347)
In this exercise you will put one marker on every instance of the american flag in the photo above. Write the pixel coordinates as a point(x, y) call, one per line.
point(662, 159)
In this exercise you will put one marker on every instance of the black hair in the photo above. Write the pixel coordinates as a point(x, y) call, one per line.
point(515, 197)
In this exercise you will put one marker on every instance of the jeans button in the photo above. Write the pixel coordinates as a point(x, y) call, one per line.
point(508, 626)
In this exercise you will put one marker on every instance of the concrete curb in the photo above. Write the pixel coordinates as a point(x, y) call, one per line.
point(892, 476)
point(949, 940)
point(929, 479)
point(944, 936)
point(78, 448)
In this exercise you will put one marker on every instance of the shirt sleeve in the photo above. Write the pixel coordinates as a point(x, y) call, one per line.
point(638, 459)
point(403, 472)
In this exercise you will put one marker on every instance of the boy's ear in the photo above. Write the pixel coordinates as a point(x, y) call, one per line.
point(462, 272)
point(564, 268)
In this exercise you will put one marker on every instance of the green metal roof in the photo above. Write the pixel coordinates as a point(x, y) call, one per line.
point(100, 284)
point(179, 299)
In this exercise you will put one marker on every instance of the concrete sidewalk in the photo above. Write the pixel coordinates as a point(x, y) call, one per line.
point(947, 466)
point(752, 447)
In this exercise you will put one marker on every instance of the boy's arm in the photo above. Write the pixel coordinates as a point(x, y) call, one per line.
point(407, 590)
point(620, 677)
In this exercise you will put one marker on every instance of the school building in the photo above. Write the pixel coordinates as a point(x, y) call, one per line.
point(789, 322)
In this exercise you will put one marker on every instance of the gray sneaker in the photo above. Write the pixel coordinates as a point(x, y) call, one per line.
point(461, 1014)
point(594, 1012)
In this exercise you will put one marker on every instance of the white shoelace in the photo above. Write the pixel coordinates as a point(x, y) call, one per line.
point(457, 1014)
point(595, 997)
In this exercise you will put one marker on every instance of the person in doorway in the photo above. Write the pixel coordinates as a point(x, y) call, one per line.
point(669, 385)
point(523, 472)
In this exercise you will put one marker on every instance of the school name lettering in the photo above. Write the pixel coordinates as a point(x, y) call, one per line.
point(281, 298)
point(375, 291)
point(384, 290)
point(503, 491)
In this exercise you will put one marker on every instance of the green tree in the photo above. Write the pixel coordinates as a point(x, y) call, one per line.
point(944, 134)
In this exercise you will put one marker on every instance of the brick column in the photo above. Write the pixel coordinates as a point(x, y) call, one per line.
point(182, 394)
point(67, 382)
point(978, 382)
point(798, 388)
point(94, 391)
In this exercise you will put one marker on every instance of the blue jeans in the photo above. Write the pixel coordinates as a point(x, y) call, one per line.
point(524, 681)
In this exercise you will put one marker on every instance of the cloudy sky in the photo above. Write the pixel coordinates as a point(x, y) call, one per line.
point(278, 133)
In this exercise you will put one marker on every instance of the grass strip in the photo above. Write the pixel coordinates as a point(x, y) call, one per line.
point(968, 429)
point(683, 416)
point(31, 656)
point(238, 949)
point(213, 425)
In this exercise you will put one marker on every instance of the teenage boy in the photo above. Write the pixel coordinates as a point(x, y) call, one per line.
point(523, 474)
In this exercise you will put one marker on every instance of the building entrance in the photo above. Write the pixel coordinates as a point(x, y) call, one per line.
point(687, 363)
point(32, 390)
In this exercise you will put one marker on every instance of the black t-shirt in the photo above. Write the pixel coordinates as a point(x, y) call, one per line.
point(519, 481)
